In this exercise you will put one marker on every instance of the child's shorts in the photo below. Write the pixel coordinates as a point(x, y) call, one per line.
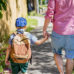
point(66, 42)
point(16, 67)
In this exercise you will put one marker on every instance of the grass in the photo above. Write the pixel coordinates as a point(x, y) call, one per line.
point(73, 72)
point(33, 13)
point(31, 24)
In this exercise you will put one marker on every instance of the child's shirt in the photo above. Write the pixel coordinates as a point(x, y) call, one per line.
point(31, 37)
point(62, 12)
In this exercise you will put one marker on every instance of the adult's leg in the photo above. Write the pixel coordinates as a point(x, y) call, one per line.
point(57, 44)
point(59, 63)
point(69, 66)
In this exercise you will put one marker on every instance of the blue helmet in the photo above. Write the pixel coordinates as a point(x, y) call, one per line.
point(21, 22)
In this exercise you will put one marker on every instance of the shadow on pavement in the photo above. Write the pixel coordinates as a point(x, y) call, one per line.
point(43, 62)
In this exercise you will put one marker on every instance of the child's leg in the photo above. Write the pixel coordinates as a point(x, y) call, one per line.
point(15, 68)
point(69, 66)
point(24, 68)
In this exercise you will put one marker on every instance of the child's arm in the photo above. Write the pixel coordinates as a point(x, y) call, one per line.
point(38, 42)
point(7, 54)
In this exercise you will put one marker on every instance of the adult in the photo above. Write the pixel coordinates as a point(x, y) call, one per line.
point(61, 14)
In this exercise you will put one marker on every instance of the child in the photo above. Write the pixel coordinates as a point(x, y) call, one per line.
point(21, 25)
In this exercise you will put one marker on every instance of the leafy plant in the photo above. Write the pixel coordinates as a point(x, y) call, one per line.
point(3, 6)
point(2, 59)
point(4, 41)
point(1, 69)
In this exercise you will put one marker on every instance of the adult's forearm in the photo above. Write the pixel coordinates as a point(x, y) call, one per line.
point(46, 23)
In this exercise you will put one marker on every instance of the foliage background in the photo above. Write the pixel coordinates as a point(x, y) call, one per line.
point(3, 5)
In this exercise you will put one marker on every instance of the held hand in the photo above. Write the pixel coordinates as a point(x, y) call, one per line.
point(47, 36)
point(44, 33)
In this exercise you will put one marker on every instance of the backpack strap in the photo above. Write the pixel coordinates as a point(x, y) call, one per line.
point(15, 33)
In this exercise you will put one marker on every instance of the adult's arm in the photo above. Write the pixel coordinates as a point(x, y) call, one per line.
point(49, 15)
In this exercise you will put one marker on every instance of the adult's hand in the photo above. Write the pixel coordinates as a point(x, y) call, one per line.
point(45, 33)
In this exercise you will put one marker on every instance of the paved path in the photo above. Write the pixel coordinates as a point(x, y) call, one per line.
point(43, 62)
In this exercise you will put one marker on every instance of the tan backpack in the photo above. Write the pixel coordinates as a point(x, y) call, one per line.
point(21, 51)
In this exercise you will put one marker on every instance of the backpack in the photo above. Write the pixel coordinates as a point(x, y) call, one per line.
point(21, 51)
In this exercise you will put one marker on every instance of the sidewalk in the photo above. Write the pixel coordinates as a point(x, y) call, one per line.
point(43, 62)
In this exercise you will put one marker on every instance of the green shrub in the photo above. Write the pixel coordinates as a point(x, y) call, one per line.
point(2, 59)
point(4, 40)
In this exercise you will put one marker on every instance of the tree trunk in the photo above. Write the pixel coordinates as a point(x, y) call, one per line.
point(37, 6)
point(15, 8)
